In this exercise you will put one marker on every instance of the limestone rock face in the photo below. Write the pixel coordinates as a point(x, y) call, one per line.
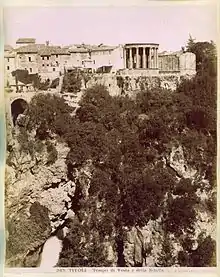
point(179, 164)
point(142, 246)
point(29, 181)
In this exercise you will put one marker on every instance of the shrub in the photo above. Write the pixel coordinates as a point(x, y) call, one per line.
point(52, 153)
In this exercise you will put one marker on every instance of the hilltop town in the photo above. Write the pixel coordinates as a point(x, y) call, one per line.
point(131, 59)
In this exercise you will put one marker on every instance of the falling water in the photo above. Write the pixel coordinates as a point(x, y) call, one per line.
point(51, 251)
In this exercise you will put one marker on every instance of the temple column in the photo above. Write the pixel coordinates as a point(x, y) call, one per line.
point(149, 59)
point(144, 57)
point(130, 58)
point(125, 58)
point(137, 58)
point(156, 58)
point(152, 57)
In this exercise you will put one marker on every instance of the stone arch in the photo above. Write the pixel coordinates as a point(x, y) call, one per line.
point(18, 106)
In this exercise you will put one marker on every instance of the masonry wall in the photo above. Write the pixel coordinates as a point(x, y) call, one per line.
point(9, 66)
point(130, 84)
point(118, 59)
point(76, 59)
point(28, 62)
point(188, 63)
point(52, 66)
point(102, 58)
point(168, 63)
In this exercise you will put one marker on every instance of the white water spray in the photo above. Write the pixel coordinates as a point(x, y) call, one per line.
point(51, 251)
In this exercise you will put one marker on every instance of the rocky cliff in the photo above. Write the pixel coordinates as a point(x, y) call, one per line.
point(34, 191)
point(40, 199)
point(144, 246)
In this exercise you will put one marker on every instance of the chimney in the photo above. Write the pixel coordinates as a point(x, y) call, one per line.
point(47, 42)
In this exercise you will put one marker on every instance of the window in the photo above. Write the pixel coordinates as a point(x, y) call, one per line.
point(48, 57)
point(8, 60)
point(54, 69)
point(29, 58)
point(47, 64)
point(42, 58)
point(57, 63)
point(30, 69)
point(8, 67)
point(56, 56)
point(43, 64)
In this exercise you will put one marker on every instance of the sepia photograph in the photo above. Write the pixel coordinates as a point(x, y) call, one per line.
point(111, 136)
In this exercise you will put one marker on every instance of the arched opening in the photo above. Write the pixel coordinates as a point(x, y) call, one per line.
point(18, 107)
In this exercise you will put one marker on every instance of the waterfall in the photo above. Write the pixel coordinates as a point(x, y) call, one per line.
point(51, 250)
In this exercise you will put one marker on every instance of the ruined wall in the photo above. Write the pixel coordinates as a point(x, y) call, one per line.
point(168, 63)
point(187, 63)
point(184, 63)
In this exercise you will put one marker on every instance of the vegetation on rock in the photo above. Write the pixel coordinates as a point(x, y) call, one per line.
point(72, 81)
point(26, 232)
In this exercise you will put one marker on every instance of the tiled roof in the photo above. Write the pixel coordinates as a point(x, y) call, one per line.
point(32, 48)
point(43, 50)
point(83, 48)
point(9, 54)
point(8, 47)
point(165, 53)
point(78, 50)
point(101, 48)
point(60, 51)
point(26, 40)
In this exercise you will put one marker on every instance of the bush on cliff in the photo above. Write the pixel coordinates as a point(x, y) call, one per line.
point(72, 81)
point(48, 114)
point(27, 233)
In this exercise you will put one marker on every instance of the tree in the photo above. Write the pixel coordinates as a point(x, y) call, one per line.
point(72, 81)
point(206, 56)
point(45, 113)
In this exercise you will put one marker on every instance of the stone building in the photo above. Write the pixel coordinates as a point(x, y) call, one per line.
point(9, 66)
point(141, 56)
point(180, 62)
point(97, 57)
point(25, 41)
point(43, 59)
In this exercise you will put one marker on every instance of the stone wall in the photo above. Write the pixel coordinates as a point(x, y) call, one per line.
point(168, 63)
point(126, 84)
point(187, 64)
point(27, 61)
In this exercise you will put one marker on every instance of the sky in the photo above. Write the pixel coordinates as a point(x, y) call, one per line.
point(168, 25)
